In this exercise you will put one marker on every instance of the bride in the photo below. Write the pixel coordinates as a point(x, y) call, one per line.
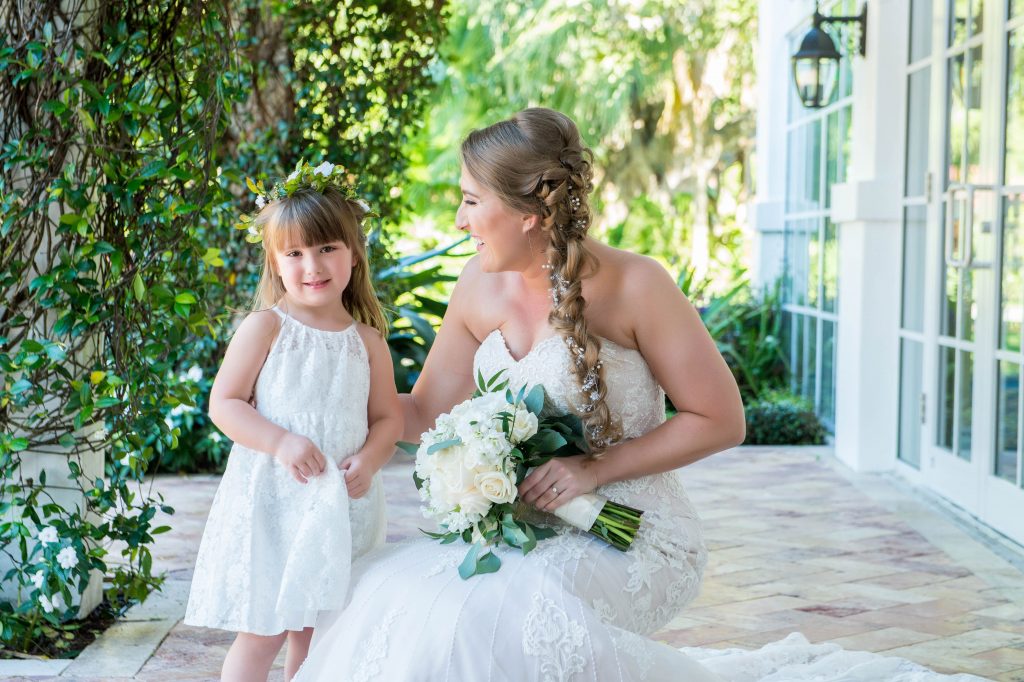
point(608, 334)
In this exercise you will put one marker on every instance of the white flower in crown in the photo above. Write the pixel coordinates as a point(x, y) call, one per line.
point(260, 201)
point(324, 169)
point(294, 174)
point(67, 558)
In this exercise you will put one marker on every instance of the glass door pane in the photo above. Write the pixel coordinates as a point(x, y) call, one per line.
point(911, 417)
point(1007, 460)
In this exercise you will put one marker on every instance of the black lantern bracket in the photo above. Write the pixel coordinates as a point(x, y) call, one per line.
point(860, 19)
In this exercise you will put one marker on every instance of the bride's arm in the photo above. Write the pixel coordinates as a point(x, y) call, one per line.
point(686, 363)
point(447, 376)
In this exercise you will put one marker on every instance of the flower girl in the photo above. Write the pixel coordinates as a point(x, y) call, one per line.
point(306, 391)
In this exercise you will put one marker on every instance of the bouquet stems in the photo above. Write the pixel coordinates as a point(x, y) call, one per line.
point(616, 524)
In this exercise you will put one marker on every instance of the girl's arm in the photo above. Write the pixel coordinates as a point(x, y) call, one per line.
point(383, 417)
point(447, 376)
point(686, 363)
point(232, 390)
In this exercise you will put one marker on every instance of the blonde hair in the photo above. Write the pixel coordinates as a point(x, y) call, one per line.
point(536, 163)
point(311, 218)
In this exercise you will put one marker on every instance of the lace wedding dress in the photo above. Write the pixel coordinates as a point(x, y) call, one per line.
point(572, 609)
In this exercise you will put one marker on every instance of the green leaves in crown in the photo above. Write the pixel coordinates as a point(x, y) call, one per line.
point(305, 176)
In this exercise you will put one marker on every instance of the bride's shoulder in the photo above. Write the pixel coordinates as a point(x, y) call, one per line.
point(633, 274)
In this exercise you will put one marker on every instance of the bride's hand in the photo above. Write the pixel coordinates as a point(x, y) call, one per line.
point(557, 481)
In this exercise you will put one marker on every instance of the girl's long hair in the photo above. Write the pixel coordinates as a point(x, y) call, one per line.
point(310, 218)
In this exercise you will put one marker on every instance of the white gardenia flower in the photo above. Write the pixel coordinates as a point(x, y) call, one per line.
point(37, 579)
point(260, 201)
point(496, 486)
point(67, 558)
point(48, 535)
point(55, 603)
point(524, 427)
point(324, 169)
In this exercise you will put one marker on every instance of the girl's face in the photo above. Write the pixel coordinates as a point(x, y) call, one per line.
point(501, 234)
point(314, 276)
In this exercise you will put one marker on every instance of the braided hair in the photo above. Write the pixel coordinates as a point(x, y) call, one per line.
point(536, 163)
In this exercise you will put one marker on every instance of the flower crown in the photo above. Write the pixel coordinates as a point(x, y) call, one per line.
point(304, 176)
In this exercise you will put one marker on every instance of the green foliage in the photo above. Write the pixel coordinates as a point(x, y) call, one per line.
point(662, 91)
point(747, 328)
point(127, 130)
point(781, 418)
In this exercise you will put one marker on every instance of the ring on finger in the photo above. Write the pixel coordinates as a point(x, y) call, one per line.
point(554, 490)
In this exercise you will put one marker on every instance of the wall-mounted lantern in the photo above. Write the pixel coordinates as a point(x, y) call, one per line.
point(816, 63)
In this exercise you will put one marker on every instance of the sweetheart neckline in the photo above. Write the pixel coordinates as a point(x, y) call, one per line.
point(537, 346)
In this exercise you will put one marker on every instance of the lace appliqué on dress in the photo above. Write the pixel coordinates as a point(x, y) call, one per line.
point(550, 635)
point(376, 649)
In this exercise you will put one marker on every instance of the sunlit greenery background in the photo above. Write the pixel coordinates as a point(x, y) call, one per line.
point(129, 128)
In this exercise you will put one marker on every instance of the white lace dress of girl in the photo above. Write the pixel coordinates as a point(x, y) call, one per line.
point(275, 552)
point(572, 609)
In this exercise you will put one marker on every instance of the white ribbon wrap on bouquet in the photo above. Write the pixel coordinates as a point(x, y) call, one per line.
point(581, 511)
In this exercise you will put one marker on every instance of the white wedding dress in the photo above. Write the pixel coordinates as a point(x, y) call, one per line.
point(572, 609)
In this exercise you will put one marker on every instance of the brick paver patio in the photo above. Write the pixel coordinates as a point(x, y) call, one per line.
point(797, 543)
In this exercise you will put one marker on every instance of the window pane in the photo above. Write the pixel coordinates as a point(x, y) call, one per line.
point(914, 233)
point(974, 116)
point(1011, 271)
point(1007, 425)
point(810, 359)
point(951, 278)
point(804, 174)
point(828, 364)
point(918, 89)
point(956, 116)
point(813, 265)
point(963, 448)
point(947, 377)
point(977, 16)
point(958, 21)
point(911, 363)
point(920, 29)
point(1014, 160)
point(968, 308)
point(830, 279)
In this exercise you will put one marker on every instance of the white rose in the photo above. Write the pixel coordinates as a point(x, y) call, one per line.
point(472, 503)
point(324, 169)
point(37, 579)
point(496, 486)
point(48, 535)
point(67, 558)
point(524, 427)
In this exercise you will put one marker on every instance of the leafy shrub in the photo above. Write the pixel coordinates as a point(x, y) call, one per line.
point(127, 129)
point(781, 418)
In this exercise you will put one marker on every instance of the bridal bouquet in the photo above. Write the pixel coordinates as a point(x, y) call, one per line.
point(469, 465)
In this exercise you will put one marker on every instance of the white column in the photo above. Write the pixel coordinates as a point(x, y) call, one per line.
point(867, 211)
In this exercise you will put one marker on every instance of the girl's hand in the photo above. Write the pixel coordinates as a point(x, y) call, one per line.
point(358, 476)
point(302, 458)
point(557, 481)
